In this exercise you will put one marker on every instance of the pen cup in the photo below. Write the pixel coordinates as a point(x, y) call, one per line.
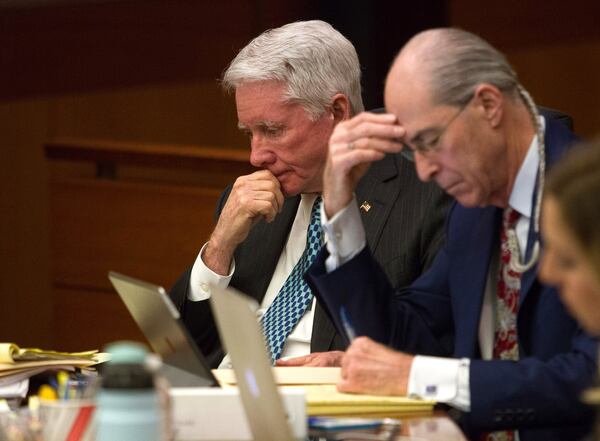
point(68, 420)
point(20, 425)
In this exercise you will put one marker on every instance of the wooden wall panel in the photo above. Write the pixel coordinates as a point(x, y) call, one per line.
point(553, 45)
point(147, 218)
point(25, 300)
point(194, 112)
point(564, 76)
point(75, 48)
point(148, 231)
point(534, 23)
point(87, 319)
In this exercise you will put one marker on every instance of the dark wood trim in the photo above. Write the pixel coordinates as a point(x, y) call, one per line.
point(173, 156)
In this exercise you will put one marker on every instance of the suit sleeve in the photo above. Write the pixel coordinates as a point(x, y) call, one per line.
point(433, 226)
point(533, 392)
point(416, 321)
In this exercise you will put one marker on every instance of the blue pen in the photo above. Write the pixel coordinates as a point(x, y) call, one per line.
point(348, 328)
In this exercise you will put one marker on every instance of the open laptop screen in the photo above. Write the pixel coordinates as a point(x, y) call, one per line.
point(244, 340)
point(158, 319)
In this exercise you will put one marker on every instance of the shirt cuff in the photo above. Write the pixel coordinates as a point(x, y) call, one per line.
point(445, 380)
point(345, 235)
point(202, 278)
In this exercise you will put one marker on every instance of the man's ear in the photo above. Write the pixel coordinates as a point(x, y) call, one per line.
point(340, 107)
point(490, 101)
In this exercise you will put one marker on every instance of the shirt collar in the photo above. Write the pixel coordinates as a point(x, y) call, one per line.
point(521, 197)
point(306, 202)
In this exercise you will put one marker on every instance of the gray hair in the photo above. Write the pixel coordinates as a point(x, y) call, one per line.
point(456, 61)
point(313, 59)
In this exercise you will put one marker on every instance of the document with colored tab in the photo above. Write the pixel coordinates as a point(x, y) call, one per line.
point(17, 364)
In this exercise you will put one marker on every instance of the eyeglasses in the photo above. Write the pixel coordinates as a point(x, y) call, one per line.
point(422, 145)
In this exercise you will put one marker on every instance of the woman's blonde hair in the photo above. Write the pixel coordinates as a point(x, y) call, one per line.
point(574, 183)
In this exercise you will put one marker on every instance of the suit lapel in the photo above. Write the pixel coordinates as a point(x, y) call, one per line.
point(377, 190)
point(376, 193)
point(469, 276)
point(323, 331)
point(530, 276)
point(557, 141)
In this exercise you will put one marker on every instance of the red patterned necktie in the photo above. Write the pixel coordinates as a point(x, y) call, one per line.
point(506, 346)
point(509, 286)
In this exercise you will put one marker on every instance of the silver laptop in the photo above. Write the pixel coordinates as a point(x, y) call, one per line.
point(158, 319)
point(235, 314)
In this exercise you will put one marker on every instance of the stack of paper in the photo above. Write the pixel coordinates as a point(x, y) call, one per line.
point(17, 364)
point(12, 392)
point(322, 397)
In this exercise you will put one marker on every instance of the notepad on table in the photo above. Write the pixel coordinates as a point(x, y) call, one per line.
point(323, 398)
point(326, 400)
point(289, 375)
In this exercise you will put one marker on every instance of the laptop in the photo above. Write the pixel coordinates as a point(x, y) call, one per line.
point(236, 319)
point(158, 318)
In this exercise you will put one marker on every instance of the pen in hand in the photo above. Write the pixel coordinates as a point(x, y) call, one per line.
point(348, 328)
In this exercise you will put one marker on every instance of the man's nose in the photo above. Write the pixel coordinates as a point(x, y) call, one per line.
point(260, 154)
point(426, 168)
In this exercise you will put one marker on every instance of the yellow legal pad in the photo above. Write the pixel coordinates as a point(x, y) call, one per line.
point(17, 364)
point(326, 400)
point(10, 353)
point(323, 398)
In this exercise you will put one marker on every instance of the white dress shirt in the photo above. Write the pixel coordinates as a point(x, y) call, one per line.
point(445, 380)
point(202, 278)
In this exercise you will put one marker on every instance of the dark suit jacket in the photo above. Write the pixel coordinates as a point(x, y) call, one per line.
point(539, 394)
point(404, 229)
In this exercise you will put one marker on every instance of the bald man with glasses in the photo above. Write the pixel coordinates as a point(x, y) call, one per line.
point(519, 360)
point(427, 139)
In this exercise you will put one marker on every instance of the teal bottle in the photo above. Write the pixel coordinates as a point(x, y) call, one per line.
point(128, 407)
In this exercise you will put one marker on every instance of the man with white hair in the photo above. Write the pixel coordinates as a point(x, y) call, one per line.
point(292, 86)
point(519, 360)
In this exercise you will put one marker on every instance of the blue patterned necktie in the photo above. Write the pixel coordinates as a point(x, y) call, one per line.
point(295, 295)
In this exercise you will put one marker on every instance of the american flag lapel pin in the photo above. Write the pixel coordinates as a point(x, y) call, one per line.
point(365, 206)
